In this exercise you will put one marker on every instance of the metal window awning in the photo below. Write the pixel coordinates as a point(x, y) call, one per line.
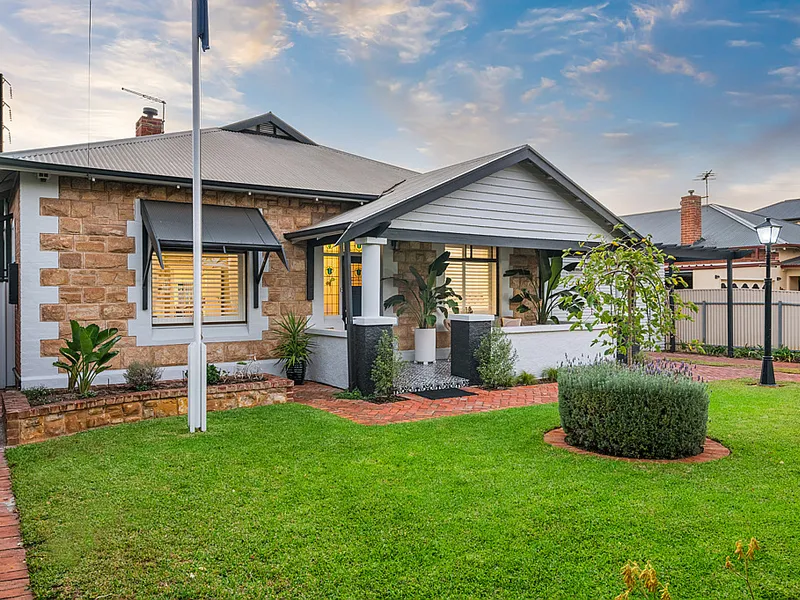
point(227, 229)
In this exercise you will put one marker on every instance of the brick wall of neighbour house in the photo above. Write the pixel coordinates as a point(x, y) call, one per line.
point(522, 258)
point(93, 275)
point(419, 255)
point(26, 424)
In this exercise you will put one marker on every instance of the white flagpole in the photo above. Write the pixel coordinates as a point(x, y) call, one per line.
point(197, 350)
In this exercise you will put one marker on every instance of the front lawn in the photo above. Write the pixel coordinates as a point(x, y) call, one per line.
point(288, 501)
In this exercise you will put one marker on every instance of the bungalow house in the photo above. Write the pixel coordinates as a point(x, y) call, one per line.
point(699, 226)
point(101, 233)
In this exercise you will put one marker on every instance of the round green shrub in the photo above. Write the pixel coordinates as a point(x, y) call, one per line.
point(650, 411)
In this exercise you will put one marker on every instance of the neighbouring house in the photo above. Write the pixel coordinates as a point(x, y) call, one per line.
point(700, 226)
point(787, 210)
point(101, 232)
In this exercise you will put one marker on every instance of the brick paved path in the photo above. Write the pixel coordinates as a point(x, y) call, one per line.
point(13, 569)
point(417, 408)
point(728, 368)
point(712, 450)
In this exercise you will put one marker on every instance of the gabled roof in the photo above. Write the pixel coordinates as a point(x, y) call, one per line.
point(723, 227)
point(259, 154)
point(269, 124)
point(788, 210)
point(418, 190)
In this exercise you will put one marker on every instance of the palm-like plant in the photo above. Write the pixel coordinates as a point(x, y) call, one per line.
point(87, 355)
point(294, 343)
point(543, 295)
point(422, 297)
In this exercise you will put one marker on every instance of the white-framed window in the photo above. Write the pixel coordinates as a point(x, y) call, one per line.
point(474, 274)
point(224, 289)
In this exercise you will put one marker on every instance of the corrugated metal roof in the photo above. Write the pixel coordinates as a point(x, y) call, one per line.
point(412, 186)
point(788, 210)
point(240, 158)
point(723, 227)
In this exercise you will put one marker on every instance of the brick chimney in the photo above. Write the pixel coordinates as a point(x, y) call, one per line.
point(149, 123)
point(691, 219)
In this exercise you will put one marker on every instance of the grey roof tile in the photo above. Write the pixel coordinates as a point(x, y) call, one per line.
point(240, 158)
point(723, 227)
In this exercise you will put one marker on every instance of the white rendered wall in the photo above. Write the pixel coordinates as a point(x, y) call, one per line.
point(541, 346)
point(329, 358)
point(36, 369)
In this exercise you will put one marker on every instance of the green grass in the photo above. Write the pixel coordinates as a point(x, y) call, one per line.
point(288, 501)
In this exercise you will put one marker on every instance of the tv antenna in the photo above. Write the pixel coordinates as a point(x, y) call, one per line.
point(706, 176)
point(3, 106)
point(153, 99)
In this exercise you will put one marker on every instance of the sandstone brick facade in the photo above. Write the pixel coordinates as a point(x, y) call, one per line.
point(26, 424)
point(419, 255)
point(93, 277)
point(523, 258)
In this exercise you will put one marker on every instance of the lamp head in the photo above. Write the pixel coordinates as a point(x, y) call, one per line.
point(768, 232)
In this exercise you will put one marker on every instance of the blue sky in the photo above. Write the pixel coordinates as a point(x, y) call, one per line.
point(631, 99)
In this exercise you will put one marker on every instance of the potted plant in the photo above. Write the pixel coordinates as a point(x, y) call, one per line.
point(294, 346)
point(423, 298)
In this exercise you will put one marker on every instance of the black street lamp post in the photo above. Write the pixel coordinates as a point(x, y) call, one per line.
point(768, 234)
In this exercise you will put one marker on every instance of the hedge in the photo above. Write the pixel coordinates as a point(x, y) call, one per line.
point(648, 411)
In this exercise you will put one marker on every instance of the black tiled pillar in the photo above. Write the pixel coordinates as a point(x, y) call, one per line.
point(466, 333)
point(367, 332)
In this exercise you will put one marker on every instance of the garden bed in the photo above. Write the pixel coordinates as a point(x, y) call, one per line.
point(119, 404)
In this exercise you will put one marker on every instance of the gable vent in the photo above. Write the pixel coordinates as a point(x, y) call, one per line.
point(269, 129)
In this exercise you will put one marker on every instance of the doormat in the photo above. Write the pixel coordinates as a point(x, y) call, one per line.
point(445, 393)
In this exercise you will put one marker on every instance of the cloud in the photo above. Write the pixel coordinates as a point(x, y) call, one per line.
point(411, 28)
point(742, 44)
point(666, 124)
point(136, 44)
point(789, 75)
point(546, 19)
point(546, 54)
point(616, 135)
point(649, 14)
point(752, 99)
point(715, 23)
point(668, 64)
point(536, 91)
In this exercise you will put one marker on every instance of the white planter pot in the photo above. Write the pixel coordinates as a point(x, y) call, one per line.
point(425, 345)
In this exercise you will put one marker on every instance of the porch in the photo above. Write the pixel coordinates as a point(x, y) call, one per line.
point(503, 212)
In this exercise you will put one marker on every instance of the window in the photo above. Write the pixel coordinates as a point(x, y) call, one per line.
point(473, 270)
point(331, 259)
point(224, 290)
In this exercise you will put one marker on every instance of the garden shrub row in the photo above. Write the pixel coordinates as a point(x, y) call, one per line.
point(781, 354)
point(647, 411)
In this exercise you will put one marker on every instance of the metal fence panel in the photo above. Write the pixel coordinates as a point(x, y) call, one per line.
point(710, 322)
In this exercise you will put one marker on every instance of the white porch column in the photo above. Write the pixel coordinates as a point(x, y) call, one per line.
point(371, 275)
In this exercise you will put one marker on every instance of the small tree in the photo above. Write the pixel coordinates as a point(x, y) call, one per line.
point(386, 368)
point(496, 359)
point(624, 285)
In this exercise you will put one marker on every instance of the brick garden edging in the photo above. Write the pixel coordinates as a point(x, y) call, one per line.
point(26, 424)
point(712, 450)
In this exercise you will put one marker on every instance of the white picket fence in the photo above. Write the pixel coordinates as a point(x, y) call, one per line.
point(710, 324)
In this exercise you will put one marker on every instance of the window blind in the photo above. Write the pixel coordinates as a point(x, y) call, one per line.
point(223, 288)
point(473, 270)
